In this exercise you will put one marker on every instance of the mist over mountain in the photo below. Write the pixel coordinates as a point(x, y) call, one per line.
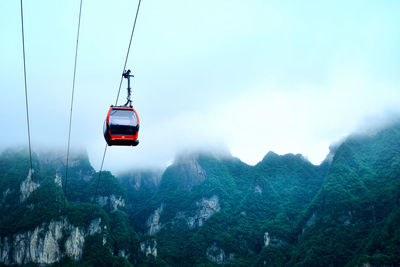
point(207, 209)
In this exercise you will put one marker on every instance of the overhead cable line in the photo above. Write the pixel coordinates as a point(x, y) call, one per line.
point(27, 108)
point(98, 178)
point(72, 100)
point(26, 90)
point(116, 100)
point(127, 53)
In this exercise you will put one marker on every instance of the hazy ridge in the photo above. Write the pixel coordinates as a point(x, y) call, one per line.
point(206, 210)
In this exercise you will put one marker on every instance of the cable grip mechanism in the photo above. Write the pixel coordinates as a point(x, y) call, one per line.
point(127, 75)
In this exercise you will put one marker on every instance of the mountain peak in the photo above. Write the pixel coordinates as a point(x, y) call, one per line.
point(272, 156)
point(186, 171)
point(185, 156)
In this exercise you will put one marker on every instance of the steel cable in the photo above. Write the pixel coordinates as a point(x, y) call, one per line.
point(30, 173)
point(127, 53)
point(72, 101)
point(26, 89)
point(116, 101)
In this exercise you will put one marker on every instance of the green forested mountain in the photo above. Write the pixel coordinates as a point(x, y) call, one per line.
point(355, 211)
point(39, 225)
point(208, 210)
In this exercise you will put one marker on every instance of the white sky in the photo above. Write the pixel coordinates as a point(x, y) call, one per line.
point(247, 76)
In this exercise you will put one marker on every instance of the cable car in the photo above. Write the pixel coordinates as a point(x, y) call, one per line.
point(121, 127)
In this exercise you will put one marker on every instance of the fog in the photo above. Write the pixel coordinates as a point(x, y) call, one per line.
point(240, 76)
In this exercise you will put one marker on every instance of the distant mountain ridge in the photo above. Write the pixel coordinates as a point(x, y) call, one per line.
point(208, 210)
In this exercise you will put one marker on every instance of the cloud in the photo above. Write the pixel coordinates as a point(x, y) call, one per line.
point(303, 118)
point(281, 76)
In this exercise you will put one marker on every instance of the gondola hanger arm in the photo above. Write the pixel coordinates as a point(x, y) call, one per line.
point(127, 75)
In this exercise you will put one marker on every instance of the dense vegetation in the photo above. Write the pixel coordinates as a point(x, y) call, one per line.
point(342, 212)
point(284, 211)
point(48, 203)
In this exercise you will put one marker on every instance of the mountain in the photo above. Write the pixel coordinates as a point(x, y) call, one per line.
point(207, 209)
point(356, 209)
point(222, 206)
point(39, 224)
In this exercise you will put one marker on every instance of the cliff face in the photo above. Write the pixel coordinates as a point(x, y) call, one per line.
point(189, 171)
point(147, 180)
point(153, 222)
point(39, 224)
point(206, 208)
point(43, 244)
point(28, 186)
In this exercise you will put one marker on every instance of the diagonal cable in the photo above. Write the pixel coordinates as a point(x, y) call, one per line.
point(72, 100)
point(26, 90)
point(119, 89)
point(98, 179)
point(129, 48)
point(30, 173)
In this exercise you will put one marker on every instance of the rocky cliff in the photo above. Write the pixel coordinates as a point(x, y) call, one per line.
point(48, 243)
point(40, 225)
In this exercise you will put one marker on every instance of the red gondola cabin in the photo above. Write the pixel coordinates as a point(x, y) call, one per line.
point(121, 127)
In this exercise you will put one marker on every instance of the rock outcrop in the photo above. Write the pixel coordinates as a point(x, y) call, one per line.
point(74, 243)
point(153, 222)
point(28, 186)
point(112, 201)
point(310, 221)
point(142, 180)
point(216, 254)
point(57, 180)
point(272, 241)
point(149, 247)
point(258, 189)
point(266, 239)
point(189, 171)
point(42, 244)
point(207, 207)
point(79, 165)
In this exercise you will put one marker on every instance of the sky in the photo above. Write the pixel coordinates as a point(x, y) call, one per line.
point(246, 77)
